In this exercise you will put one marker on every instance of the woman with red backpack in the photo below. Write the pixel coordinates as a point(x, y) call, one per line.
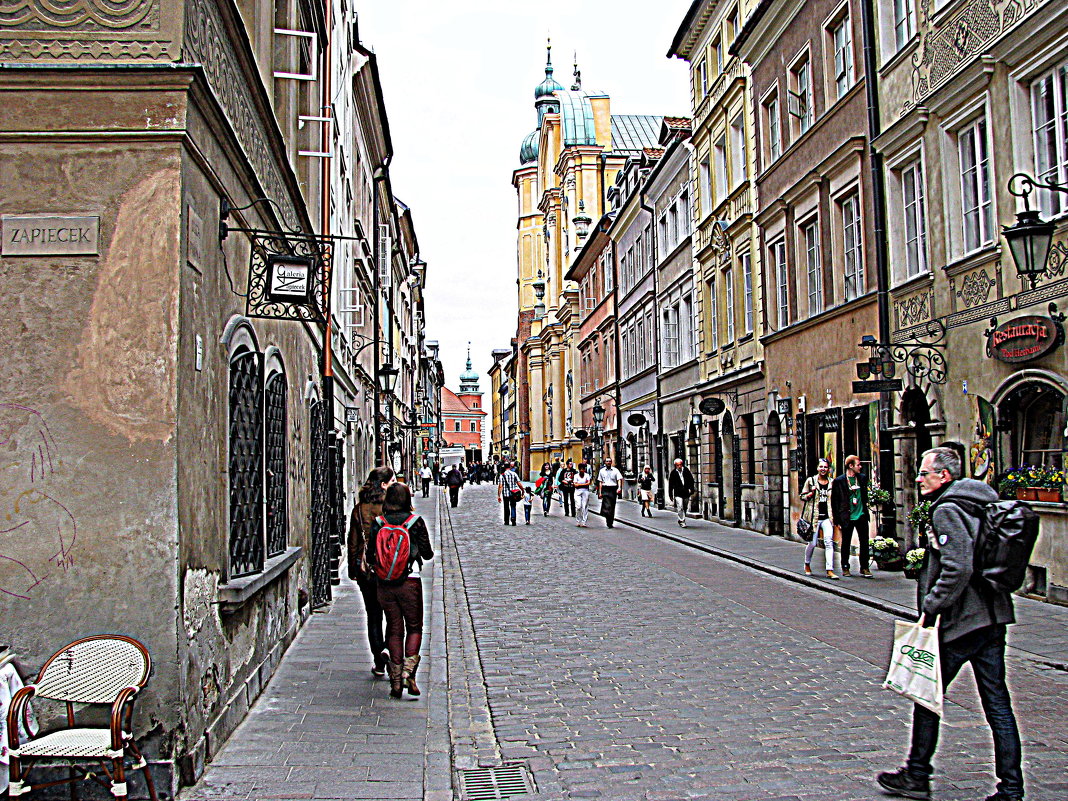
point(367, 508)
point(398, 544)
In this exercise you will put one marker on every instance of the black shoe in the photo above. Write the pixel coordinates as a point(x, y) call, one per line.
point(1000, 797)
point(378, 670)
point(904, 784)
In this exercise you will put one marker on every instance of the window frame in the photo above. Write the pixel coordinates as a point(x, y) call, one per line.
point(1050, 203)
point(976, 132)
point(781, 266)
point(809, 230)
point(745, 260)
point(859, 274)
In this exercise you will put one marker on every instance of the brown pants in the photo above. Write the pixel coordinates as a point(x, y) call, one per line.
point(403, 605)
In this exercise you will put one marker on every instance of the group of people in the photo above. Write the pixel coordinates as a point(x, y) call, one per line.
point(840, 503)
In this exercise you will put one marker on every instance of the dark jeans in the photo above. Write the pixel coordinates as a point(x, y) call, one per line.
point(568, 495)
point(369, 591)
point(608, 504)
point(454, 495)
point(509, 510)
point(403, 605)
point(426, 487)
point(526, 512)
point(547, 499)
point(985, 649)
point(861, 527)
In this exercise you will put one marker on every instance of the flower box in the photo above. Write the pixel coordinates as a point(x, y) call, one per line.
point(1027, 493)
point(912, 572)
point(1047, 495)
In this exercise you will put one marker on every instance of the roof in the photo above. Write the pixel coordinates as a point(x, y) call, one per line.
point(451, 404)
point(576, 116)
point(635, 131)
point(677, 48)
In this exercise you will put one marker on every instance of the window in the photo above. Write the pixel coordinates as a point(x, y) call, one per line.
point(771, 118)
point(685, 220)
point(915, 228)
point(624, 346)
point(782, 283)
point(1035, 418)
point(1049, 119)
point(747, 275)
point(728, 297)
point(713, 315)
point(975, 185)
point(673, 224)
point(810, 235)
point(747, 442)
point(686, 328)
point(904, 22)
point(704, 178)
point(732, 27)
point(842, 41)
point(474, 426)
point(852, 247)
point(801, 95)
point(671, 336)
point(457, 425)
point(664, 244)
point(641, 347)
point(701, 80)
point(717, 55)
point(738, 162)
point(608, 272)
point(245, 463)
point(274, 395)
point(719, 153)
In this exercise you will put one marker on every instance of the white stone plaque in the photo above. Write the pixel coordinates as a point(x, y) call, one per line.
point(34, 235)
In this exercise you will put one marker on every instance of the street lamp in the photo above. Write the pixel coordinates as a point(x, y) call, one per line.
point(387, 378)
point(1029, 239)
point(598, 413)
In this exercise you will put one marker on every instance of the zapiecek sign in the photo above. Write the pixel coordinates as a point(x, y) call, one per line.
point(41, 235)
point(1024, 339)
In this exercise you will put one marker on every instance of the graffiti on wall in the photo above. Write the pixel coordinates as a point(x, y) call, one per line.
point(37, 530)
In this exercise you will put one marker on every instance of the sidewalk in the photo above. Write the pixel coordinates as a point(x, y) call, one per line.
point(325, 728)
point(1041, 630)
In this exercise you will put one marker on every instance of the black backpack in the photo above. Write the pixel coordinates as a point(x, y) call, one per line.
point(1007, 534)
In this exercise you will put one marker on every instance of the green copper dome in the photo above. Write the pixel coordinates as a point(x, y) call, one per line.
point(547, 86)
point(529, 151)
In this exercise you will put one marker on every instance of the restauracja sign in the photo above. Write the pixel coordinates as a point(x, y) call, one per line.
point(1024, 339)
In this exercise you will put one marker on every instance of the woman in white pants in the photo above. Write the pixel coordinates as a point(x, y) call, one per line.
point(818, 488)
point(583, 478)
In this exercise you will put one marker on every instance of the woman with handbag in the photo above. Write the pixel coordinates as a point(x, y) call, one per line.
point(646, 483)
point(817, 488)
point(544, 486)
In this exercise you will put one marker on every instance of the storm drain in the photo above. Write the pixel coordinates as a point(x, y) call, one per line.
point(503, 781)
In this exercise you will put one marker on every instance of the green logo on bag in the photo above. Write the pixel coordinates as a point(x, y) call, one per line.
point(918, 655)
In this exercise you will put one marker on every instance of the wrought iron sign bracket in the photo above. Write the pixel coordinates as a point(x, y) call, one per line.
point(923, 356)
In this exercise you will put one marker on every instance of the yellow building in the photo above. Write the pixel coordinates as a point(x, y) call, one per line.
point(567, 164)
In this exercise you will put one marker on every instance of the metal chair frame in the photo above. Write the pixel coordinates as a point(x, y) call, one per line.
point(67, 678)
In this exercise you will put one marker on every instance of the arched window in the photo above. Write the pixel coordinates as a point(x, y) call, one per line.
point(1033, 417)
point(277, 477)
point(246, 462)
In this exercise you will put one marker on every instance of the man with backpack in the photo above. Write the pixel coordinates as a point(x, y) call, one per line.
point(454, 480)
point(964, 595)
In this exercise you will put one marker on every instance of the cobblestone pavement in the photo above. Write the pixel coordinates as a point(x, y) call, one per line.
point(621, 666)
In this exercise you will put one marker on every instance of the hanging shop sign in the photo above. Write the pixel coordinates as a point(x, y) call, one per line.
point(352, 414)
point(1024, 339)
point(288, 276)
point(637, 420)
point(290, 279)
point(712, 406)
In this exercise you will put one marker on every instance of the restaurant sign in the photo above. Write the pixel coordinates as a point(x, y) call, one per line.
point(1024, 339)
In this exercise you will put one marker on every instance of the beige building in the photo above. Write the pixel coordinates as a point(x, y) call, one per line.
point(957, 123)
point(172, 438)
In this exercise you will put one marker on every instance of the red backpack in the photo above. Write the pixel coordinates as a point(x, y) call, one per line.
point(393, 548)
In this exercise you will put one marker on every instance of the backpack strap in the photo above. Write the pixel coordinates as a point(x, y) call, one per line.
point(411, 519)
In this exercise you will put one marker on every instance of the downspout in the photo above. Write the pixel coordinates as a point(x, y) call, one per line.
point(656, 352)
point(882, 260)
point(381, 175)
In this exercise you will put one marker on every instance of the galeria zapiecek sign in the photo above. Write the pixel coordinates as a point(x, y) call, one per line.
point(1024, 339)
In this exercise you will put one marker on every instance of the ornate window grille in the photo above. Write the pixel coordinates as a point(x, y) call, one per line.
point(246, 463)
point(320, 513)
point(277, 477)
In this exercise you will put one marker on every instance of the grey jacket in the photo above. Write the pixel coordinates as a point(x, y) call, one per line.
point(946, 587)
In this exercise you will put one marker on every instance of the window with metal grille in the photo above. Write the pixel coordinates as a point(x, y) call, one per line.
point(246, 463)
point(275, 451)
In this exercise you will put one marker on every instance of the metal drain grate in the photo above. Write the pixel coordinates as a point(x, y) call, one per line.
point(489, 784)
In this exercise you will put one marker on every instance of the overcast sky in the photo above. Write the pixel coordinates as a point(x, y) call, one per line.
point(459, 81)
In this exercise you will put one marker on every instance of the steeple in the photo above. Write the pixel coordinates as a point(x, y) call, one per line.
point(469, 378)
point(544, 101)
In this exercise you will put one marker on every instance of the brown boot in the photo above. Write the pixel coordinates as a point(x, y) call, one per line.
point(396, 679)
point(411, 664)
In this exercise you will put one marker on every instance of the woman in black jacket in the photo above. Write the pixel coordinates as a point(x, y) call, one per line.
point(402, 598)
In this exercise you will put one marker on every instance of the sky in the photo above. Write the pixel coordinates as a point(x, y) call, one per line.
point(458, 79)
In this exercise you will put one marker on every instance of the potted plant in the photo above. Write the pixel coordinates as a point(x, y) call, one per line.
point(914, 562)
point(1050, 484)
point(878, 498)
point(1013, 483)
point(919, 517)
point(887, 553)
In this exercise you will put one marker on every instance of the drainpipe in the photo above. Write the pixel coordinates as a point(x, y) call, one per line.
point(381, 175)
point(882, 260)
point(660, 444)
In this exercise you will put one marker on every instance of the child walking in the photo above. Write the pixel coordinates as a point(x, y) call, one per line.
point(528, 502)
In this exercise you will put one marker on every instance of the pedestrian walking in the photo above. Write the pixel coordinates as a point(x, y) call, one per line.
point(680, 488)
point(583, 479)
point(646, 488)
point(401, 597)
point(509, 493)
point(368, 507)
point(817, 489)
point(971, 619)
point(425, 475)
point(609, 481)
point(454, 480)
point(528, 502)
point(544, 486)
point(849, 510)
point(437, 473)
point(565, 479)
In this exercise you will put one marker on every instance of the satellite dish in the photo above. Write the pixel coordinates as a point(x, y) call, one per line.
point(637, 419)
point(712, 406)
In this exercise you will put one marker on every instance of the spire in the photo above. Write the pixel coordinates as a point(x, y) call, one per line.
point(548, 85)
point(548, 57)
point(577, 85)
point(469, 378)
point(468, 355)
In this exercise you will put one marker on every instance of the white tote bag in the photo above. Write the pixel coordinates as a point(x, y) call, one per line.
point(915, 669)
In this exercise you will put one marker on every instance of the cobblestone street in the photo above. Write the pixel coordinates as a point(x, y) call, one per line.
point(620, 666)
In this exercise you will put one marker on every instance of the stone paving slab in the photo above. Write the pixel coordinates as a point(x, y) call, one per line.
point(324, 728)
point(620, 666)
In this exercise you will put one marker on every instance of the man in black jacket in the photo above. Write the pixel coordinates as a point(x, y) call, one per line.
point(971, 627)
point(849, 510)
point(454, 479)
point(680, 488)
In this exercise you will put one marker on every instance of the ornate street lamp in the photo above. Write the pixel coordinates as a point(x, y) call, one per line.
point(1029, 239)
point(598, 413)
point(387, 378)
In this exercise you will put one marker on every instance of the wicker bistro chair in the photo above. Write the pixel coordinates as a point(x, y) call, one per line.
point(104, 670)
